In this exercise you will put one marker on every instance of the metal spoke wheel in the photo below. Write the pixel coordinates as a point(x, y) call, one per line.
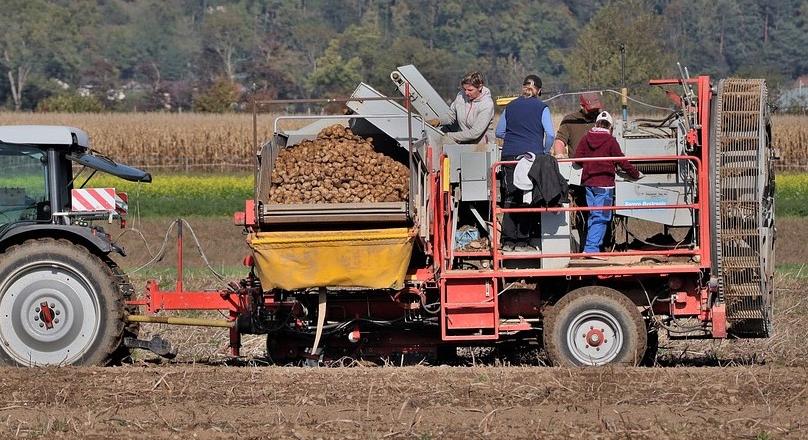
point(59, 305)
point(595, 326)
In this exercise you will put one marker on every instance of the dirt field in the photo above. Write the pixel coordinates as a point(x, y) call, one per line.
point(752, 389)
point(207, 402)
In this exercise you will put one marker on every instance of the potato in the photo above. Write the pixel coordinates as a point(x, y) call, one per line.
point(337, 167)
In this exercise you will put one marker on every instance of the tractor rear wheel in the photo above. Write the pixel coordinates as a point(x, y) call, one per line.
point(594, 325)
point(59, 305)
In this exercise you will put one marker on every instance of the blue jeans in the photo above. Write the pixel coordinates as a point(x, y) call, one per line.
point(598, 220)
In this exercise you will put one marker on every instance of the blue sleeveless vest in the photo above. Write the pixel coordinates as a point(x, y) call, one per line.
point(524, 131)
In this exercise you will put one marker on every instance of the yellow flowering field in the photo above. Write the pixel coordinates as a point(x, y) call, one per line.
point(184, 194)
point(792, 194)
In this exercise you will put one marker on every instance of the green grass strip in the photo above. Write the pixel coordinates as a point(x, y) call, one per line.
point(791, 196)
point(172, 195)
point(216, 195)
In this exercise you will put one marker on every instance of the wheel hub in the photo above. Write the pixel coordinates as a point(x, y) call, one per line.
point(595, 337)
point(48, 314)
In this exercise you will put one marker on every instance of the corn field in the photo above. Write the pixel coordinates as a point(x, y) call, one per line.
point(224, 142)
point(164, 140)
point(790, 136)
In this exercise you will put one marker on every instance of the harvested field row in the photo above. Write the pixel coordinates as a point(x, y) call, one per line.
point(414, 402)
point(790, 136)
point(164, 140)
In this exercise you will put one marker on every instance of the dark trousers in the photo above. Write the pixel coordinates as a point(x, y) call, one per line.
point(516, 228)
point(578, 195)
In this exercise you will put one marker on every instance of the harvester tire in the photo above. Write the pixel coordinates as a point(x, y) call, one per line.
point(652, 348)
point(594, 325)
point(59, 305)
point(280, 354)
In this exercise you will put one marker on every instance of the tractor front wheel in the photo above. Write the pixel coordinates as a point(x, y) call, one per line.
point(594, 326)
point(59, 305)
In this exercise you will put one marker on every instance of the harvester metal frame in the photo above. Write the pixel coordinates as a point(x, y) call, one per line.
point(472, 301)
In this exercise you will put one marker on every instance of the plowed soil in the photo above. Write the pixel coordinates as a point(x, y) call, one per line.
point(207, 402)
point(753, 389)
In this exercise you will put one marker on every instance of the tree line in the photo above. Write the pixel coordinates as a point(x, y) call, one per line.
point(207, 55)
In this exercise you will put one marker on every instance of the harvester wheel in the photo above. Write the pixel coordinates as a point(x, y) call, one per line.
point(59, 305)
point(279, 353)
point(594, 325)
point(652, 349)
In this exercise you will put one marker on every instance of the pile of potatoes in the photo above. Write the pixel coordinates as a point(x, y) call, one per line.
point(337, 167)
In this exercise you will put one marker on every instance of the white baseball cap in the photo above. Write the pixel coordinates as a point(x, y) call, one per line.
point(605, 116)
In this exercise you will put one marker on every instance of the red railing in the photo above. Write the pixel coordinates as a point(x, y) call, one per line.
point(498, 256)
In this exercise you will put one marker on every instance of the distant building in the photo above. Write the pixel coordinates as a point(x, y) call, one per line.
point(795, 100)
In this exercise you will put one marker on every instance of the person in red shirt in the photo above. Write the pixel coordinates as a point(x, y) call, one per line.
point(598, 177)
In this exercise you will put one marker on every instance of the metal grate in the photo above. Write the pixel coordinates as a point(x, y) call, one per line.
point(744, 205)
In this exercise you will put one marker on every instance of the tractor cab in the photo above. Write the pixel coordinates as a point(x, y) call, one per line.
point(61, 294)
point(38, 185)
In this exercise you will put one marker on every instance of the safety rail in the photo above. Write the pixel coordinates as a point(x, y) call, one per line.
point(495, 249)
point(407, 100)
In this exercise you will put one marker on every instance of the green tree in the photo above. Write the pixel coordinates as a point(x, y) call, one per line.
point(595, 58)
point(69, 103)
point(226, 33)
point(334, 75)
point(155, 42)
point(24, 41)
point(220, 97)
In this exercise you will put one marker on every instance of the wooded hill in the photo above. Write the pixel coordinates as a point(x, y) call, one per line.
point(204, 54)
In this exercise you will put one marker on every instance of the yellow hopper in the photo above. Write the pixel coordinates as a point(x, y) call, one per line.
point(370, 258)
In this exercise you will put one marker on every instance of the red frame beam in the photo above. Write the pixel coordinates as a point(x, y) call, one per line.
point(157, 300)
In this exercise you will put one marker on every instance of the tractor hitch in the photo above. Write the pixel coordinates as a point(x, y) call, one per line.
point(157, 345)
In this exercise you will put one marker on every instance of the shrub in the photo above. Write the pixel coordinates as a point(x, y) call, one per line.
point(221, 97)
point(67, 103)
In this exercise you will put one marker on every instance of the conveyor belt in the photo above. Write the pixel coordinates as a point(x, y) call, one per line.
point(744, 205)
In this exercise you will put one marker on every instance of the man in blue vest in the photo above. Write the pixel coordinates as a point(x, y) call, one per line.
point(525, 126)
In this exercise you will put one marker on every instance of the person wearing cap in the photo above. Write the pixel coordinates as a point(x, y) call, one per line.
point(598, 177)
point(572, 129)
point(471, 113)
point(574, 126)
point(525, 126)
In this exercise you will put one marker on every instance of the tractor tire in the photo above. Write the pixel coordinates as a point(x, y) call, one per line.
point(59, 305)
point(123, 354)
point(593, 326)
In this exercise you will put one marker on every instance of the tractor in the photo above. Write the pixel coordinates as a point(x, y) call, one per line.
point(62, 297)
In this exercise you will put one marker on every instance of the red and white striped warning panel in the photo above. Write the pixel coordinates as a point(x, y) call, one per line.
point(122, 203)
point(92, 199)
